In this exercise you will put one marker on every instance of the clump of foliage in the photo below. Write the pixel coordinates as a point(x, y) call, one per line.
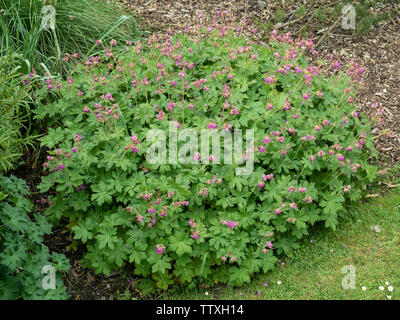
point(14, 99)
point(78, 22)
point(180, 222)
point(22, 252)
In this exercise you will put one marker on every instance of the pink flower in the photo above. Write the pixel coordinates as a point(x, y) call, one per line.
point(346, 189)
point(291, 220)
point(266, 140)
point(226, 91)
point(268, 176)
point(234, 110)
point(181, 74)
point(195, 234)
point(308, 137)
point(160, 249)
point(192, 224)
point(306, 96)
point(108, 96)
point(230, 224)
point(135, 139)
point(212, 125)
point(61, 166)
point(278, 211)
point(171, 106)
point(262, 149)
point(317, 127)
point(203, 192)
point(337, 146)
point(161, 115)
point(270, 79)
point(146, 81)
point(197, 156)
point(308, 199)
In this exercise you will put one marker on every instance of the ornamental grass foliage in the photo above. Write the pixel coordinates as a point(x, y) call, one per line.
point(175, 223)
point(77, 22)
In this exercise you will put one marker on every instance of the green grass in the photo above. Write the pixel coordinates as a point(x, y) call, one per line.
point(14, 101)
point(79, 23)
point(314, 272)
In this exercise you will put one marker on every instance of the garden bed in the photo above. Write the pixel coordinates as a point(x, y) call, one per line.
point(378, 51)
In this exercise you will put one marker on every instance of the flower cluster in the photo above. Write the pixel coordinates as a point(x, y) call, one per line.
point(230, 224)
point(160, 248)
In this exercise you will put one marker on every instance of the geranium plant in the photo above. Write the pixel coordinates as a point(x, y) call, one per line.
point(202, 220)
point(26, 265)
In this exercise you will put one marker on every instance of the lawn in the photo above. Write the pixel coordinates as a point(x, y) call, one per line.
point(315, 270)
